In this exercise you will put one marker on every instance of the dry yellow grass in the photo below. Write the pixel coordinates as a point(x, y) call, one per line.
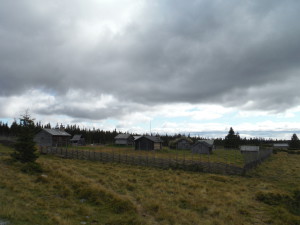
point(74, 191)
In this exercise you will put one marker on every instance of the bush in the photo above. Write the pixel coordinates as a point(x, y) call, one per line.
point(291, 203)
point(31, 168)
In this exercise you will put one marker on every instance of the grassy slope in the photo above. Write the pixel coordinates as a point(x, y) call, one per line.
point(74, 191)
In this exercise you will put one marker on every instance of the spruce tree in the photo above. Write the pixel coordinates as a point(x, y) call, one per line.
point(25, 150)
point(232, 140)
point(295, 142)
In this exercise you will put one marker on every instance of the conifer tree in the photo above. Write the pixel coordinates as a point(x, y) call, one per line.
point(295, 142)
point(25, 150)
point(232, 140)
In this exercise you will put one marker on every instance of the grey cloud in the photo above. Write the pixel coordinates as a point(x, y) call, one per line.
point(223, 52)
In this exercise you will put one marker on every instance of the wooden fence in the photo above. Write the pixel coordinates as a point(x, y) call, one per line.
point(153, 161)
point(253, 159)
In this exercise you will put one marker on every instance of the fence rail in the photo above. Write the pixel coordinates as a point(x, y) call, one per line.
point(251, 161)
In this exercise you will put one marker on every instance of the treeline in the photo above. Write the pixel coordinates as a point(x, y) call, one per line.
point(233, 140)
point(92, 136)
point(97, 136)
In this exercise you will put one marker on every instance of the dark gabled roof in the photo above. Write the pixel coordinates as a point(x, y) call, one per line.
point(76, 137)
point(56, 132)
point(183, 138)
point(136, 137)
point(208, 143)
point(123, 136)
point(151, 138)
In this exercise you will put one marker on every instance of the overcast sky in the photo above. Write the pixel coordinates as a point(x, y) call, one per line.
point(186, 66)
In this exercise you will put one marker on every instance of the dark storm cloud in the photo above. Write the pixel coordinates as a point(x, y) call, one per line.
point(234, 53)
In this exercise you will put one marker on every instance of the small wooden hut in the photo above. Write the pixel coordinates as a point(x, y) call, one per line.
point(77, 140)
point(203, 147)
point(148, 143)
point(182, 143)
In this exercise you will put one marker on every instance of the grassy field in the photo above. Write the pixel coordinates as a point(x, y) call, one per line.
point(231, 156)
point(83, 192)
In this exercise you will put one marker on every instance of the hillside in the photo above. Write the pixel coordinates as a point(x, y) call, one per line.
point(83, 192)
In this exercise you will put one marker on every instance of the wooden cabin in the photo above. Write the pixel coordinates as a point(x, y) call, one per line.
point(148, 143)
point(77, 140)
point(203, 147)
point(182, 143)
point(124, 139)
point(52, 137)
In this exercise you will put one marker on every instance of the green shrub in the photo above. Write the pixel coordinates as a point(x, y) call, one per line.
point(31, 168)
point(291, 203)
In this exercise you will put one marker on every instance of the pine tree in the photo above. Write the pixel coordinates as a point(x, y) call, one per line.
point(232, 140)
point(25, 150)
point(295, 142)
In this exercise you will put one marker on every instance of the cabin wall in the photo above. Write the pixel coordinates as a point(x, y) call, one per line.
point(144, 144)
point(201, 149)
point(124, 141)
point(249, 148)
point(157, 146)
point(60, 141)
point(43, 139)
point(183, 144)
point(121, 142)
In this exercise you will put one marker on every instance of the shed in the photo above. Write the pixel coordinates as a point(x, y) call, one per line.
point(281, 146)
point(182, 143)
point(124, 139)
point(52, 137)
point(203, 147)
point(77, 139)
point(148, 143)
point(249, 148)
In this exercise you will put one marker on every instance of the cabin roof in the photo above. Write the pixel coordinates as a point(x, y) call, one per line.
point(123, 136)
point(208, 143)
point(151, 138)
point(281, 145)
point(56, 132)
point(183, 139)
point(136, 137)
point(76, 137)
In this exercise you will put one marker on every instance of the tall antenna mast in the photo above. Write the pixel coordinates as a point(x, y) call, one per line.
point(150, 128)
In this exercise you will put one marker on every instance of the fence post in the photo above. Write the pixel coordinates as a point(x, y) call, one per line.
point(209, 168)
